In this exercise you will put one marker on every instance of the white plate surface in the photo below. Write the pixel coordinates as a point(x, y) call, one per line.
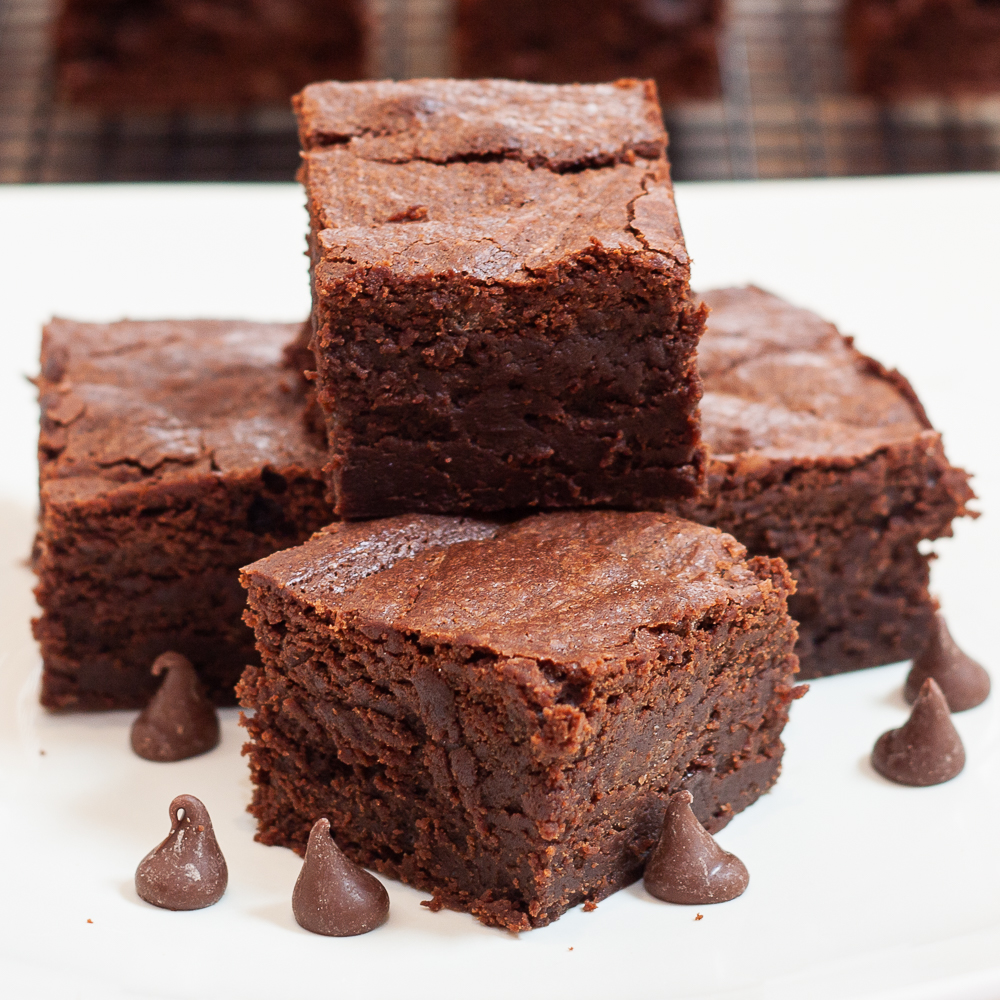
point(859, 888)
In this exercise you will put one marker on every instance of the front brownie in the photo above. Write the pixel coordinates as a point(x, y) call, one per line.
point(498, 713)
point(562, 41)
point(915, 48)
point(170, 454)
point(501, 306)
point(819, 455)
point(162, 54)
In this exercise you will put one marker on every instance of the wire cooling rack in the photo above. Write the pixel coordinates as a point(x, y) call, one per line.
point(785, 110)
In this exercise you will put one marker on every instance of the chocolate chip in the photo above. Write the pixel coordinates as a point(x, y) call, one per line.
point(333, 896)
point(187, 871)
point(179, 721)
point(927, 749)
point(963, 681)
point(688, 866)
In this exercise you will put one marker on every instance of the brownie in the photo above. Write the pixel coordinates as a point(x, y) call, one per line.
point(173, 54)
point(501, 298)
point(497, 713)
point(919, 48)
point(566, 41)
point(821, 456)
point(171, 453)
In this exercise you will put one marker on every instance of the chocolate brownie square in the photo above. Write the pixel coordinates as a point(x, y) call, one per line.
point(497, 713)
point(919, 48)
point(171, 453)
point(501, 307)
point(163, 54)
point(821, 456)
point(567, 41)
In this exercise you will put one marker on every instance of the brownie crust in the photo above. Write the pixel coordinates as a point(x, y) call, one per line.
point(566, 41)
point(501, 307)
point(821, 456)
point(174, 54)
point(169, 454)
point(498, 713)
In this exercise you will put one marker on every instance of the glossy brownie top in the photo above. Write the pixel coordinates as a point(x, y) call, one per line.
point(580, 587)
point(134, 401)
point(489, 178)
point(782, 382)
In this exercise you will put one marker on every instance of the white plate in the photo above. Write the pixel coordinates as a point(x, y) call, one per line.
point(859, 888)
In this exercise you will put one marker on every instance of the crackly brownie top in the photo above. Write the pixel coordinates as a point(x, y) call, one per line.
point(441, 121)
point(490, 178)
point(783, 382)
point(580, 587)
point(130, 401)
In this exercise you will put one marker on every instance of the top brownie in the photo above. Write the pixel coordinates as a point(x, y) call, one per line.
point(501, 307)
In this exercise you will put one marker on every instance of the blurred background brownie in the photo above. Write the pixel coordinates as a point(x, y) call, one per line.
point(821, 456)
point(499, 713)
point(163, 54)
point(565, 41)
point(920, 48)
point(502, 314)
point(170, 454)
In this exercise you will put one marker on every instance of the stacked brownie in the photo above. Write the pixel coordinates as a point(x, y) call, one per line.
point(501, 309)
point(491, 704)
point(552, 623)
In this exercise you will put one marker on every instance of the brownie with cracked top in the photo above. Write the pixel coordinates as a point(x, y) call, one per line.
point(501, 308)
point(562, 41)
point(821, 456)
point(171, 453)
point(498, 713)
point(164, 54)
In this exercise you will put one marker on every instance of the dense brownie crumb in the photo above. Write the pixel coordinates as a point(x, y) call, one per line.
point(163, 54)
point(821, 456)
point(562, 41)
point(499, 713)
point(170, 454)
point(501, 308)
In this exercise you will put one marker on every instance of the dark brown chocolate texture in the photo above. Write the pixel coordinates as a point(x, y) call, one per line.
point(332, 895)
point(179, 721)
point(964, 682)
point(687, 865)
point(927, 749)
point(187, 871)
point(906, 49)
point(171, 54)
point(170, 454)
point(501, 307)
point(566, 41)
point(821, 456)
point(498, 713)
